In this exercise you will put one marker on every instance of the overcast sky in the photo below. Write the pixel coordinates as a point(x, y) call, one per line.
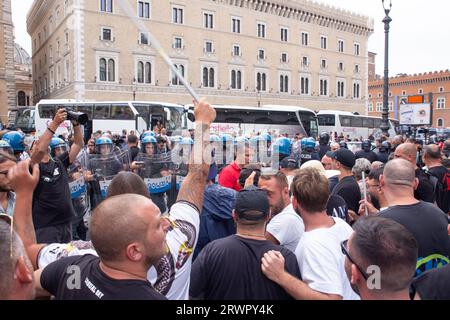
point(419, 37)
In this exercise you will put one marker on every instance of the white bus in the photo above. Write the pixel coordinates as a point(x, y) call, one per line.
point(250, 121)
point(114, 115)
point(355, 126)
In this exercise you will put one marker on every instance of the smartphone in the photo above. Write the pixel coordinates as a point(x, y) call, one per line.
point(365, 191)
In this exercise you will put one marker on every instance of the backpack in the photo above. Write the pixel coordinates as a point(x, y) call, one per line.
point(442, 192)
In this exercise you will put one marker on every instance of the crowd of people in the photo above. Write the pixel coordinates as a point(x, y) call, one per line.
point(220, 217)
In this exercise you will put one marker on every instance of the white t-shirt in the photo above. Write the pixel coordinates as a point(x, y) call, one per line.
point(174, 268)
point(321, 260)
point(287, 227)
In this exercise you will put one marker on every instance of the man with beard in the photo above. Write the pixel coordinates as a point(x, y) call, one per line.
point(319, 254)
point(7, 196)
point(286, 227)
point(390, 247)
point(376, 201)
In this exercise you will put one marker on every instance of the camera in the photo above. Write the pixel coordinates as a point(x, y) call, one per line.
point(81, 118)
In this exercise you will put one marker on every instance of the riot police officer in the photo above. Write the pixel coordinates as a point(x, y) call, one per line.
point(367, 152)
point(309, 151)
point(16, 141)
point(324, 144)
point(385, 151)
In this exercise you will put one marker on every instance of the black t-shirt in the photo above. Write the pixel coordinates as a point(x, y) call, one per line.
point(52, 203)
point(434, 284)
point(337, 207)
point(323, 149)
point(230, 269)
point(438, 172)
point(348, 189)
point(383, 157)
point(425, 190)
point(94, 283)
point(429, 225)
point(134, 151)
point(370, 155)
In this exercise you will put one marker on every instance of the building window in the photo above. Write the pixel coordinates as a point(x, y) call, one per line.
point(21, 98)
point(208, 20)
point(440, 122)
point(236, 79)
point(370, 96)
point(356, 90)
point(341, 66)
point(236, 25)
point(284, 83)
point(178, 43)
point(379, 95)
point(284, 34)
point(305, 61)
point(284, 57)
point(208, 47)
point(420, 91)
point(370, 107)
point(236, 51)
point(261, 54)
point(403, 93)
point(175, 80)
point(144, 72)
point(391, 106)
point(107, 70)
point(106, 6)
point(441, 89)
point(144, 9)
point(323, 42)
point(323, 87)
point(106, 34)
point(261, 31)
point(440, 103)
point(390, 94)
point(356, 68)
point(357, 49)
point(177, 15)
point(379, 106)
point(143, 38)
point(304, 85)
point(323, 63)
point(341, 45)
point(340, 89)
point(208, 77)
point(305, 39)
point(261, 79)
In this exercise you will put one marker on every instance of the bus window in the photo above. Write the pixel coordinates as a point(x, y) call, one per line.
point(377, 123)
point(368, 123)
point(357, 122)
point(176, 119)
point(47, 111)
point(309, 123)
point(101, 111)
point(87, 109)
point(327, 120)
point(121, 112)
point(346, 121)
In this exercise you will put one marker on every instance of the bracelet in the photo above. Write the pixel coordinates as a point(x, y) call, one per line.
point(48, 128)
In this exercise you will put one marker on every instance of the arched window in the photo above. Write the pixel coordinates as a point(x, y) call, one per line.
point(111, 70)
point(440, 122)
point(21, 98)
point(102, 71)
point(233, 79)
point(205, 77)
point(211, 77)
point(140, 72)
point(239, 80)
point(148, 72)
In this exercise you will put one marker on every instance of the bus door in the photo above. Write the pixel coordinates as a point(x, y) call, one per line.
point(157, 117)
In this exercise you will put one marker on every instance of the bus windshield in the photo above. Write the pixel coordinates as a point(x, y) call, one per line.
point(309, 122)
point(171, 117)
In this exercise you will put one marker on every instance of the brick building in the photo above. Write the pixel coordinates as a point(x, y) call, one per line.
point(434, 86)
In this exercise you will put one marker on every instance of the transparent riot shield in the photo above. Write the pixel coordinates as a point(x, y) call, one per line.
point(104, 168)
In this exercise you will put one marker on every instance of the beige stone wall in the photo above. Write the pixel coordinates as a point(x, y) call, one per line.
point(86, 49)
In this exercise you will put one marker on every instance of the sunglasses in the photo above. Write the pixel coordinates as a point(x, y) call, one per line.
point(347, 254)
point(9, 220)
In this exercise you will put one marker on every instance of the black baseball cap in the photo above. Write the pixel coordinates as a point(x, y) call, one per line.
point(252, 199)
point(289, 163)
point(344, 156)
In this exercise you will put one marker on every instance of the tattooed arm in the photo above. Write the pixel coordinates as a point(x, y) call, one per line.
point(193, 186)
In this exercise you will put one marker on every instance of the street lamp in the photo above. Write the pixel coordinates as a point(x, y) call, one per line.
point(134, 89)
point(385, 117)
point(258, 96)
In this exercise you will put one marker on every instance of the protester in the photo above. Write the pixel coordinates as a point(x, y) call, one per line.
point(285, 228)
point(347, 188)
point(433, 284)
point(432, 158)
point(246, 172)
point(133, 147)
point(318, 253)
point(229, 268)
point(7, 195)
point(376, 201)
point(324, 141)
point(425, 221)
point(289, 166)
point(52, 206)
point(229, 175)
point(425, 190)
point(216, 220)
point(384, 248)
point(361, 165)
